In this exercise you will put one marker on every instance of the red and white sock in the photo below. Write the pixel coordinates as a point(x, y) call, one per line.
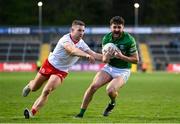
point(33, 111)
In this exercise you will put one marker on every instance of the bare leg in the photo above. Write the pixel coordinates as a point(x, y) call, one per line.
point(112, 90)
point(34, 84)
point(37, 82)
point(114, 86)
point(100, 79)
point(53, 82)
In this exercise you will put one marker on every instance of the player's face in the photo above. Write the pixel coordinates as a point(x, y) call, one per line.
point(117, 30)
point(78, 31)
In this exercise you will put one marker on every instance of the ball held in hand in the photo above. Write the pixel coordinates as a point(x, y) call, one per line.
point(109, 47)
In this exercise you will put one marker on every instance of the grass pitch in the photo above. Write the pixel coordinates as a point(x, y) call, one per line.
point(146, 97)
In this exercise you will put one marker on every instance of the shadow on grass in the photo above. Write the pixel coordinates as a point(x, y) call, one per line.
point(151, 119)
point(92, 118)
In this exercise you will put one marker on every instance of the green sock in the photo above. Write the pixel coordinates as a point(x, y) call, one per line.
point(113, 101)
point(82, 111)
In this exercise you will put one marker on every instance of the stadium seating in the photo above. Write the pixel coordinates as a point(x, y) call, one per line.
point(164, 54)
point(19, 52)
point(26, 48)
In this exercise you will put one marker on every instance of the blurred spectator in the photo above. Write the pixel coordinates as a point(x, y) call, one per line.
point(159, 65)
point(144, 67)
point(174, 43)
point(38, 65)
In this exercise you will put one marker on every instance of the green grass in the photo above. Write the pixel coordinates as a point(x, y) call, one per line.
point(151, 97)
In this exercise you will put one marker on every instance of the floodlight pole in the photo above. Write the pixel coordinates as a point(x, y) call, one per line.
point(136, 14)
point(40, 19)
point(136, 21)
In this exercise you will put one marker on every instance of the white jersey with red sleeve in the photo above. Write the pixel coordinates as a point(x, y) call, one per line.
point(60, 58)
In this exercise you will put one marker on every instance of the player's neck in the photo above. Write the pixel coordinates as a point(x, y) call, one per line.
point(115, 38)
point(74, 39)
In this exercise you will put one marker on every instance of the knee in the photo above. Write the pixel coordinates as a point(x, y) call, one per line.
point(93, 88)
point(111, 92)
point(45, 93)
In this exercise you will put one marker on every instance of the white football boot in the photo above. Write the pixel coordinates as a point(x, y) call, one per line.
point(26, 91)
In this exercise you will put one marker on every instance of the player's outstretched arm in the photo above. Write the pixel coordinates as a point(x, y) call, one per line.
point(72, 50)
point(97, 56)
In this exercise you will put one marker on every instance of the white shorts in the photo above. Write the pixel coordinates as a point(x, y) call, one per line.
point(116, 72)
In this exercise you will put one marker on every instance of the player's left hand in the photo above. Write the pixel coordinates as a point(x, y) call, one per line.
point(111, 51)
point(118, 54)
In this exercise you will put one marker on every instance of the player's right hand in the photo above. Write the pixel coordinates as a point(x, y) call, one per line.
point(90, 58)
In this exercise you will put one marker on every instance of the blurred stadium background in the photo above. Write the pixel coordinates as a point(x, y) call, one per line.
point(28, 32)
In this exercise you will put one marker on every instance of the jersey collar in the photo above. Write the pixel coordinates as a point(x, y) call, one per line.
point(74, 41)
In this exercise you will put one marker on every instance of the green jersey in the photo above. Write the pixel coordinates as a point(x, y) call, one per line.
point(126, 44)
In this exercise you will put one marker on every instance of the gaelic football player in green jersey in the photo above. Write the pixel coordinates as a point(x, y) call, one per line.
point(116, 71)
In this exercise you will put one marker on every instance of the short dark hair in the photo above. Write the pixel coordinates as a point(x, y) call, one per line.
point(78, 22)
point(117, 20)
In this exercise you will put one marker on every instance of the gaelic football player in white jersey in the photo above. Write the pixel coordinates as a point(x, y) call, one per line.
point(66, 53)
